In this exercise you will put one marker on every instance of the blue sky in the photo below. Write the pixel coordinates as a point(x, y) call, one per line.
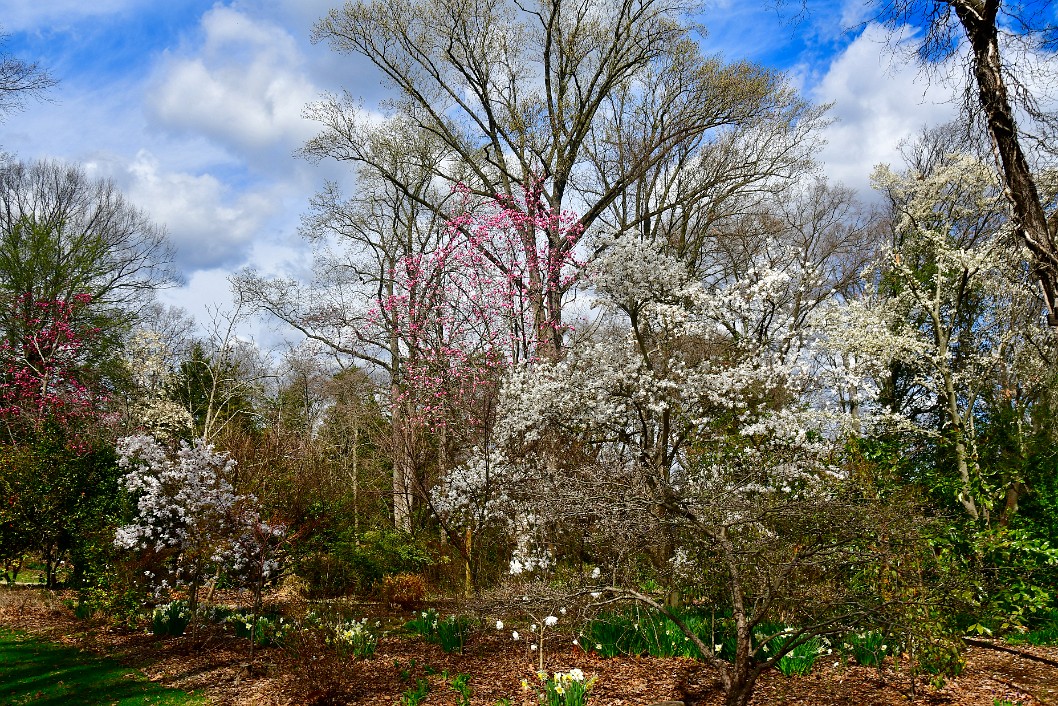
point(195, 108)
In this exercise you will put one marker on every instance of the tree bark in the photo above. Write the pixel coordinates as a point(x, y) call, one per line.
point(978, 19)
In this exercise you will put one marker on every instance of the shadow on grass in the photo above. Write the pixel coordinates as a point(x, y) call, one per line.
point(45, 674)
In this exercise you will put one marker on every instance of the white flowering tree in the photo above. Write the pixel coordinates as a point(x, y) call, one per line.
point(953, 334)
point(189, 519)
point(676, 446)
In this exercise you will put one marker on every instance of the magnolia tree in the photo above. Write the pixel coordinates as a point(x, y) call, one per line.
point(189, 521)
point(674, 448)
point(952, 334)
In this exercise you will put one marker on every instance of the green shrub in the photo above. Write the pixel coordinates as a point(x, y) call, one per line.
point(356, 563)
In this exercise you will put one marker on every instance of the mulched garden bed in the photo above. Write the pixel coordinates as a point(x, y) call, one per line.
point(217, 664)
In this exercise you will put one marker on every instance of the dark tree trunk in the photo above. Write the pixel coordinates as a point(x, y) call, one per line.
point(978, 19)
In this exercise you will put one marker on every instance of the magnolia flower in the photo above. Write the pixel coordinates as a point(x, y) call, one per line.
point(499, 625)
point(550, 620)
point(596, 573)
point(515, 636)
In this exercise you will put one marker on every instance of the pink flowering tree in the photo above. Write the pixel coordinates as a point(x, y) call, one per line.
point(490, 296)
point(44, 358)
point(57, 483)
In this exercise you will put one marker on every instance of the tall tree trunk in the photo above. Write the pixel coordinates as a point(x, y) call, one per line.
point(978, 19)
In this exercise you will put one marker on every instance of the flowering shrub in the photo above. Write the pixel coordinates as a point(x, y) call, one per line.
point(189, 518)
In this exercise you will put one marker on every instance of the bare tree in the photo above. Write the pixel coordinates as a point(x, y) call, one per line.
point(569, 105)
point(20, 81)
point(64, 233)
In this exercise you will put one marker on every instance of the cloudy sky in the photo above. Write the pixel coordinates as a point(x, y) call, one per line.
point(195, 108)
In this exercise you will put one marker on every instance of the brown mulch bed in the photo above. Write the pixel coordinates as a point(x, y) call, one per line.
point(217, 665)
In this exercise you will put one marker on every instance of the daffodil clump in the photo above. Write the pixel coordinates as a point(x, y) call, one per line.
point(354, 638)
point(171, 618)
point(570, 688)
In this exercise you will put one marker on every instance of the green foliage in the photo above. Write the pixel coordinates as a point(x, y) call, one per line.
point(59, 501)
point(461, 685)
point(38, 672)
point(800, 660)
point(267, 630)
point(355, 563)
point(638, 632)
point(1043, 633)
point(171, 619)
point(869, 649)
point(1018, 571)
point(415, 695)
point(450, 633)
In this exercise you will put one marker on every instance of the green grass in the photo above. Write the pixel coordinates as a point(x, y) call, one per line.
point(45, 674)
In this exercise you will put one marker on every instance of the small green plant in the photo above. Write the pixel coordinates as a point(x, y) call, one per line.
point(415, 695)
point(424, 624)
point(564, 688)
point(268, 630)
point(354, 638)
point(450, 633)
point(461, 685)
point(1005, 702)
point(504, 702)
point(799, 660)
point(1044, 634)
point(869, 649)
point(170, 618)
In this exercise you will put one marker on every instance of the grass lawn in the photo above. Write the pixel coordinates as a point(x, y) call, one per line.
point(35, 672)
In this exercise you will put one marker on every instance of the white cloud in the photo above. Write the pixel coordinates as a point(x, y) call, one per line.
point(209, 224)
point(879, 100)
point(245, 86)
